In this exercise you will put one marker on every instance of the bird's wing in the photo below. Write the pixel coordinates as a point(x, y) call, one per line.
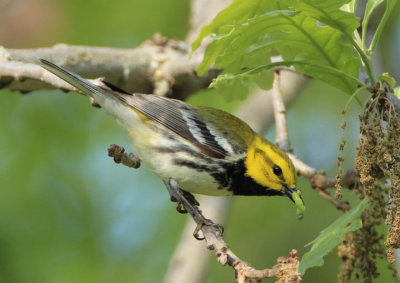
point(184, 120)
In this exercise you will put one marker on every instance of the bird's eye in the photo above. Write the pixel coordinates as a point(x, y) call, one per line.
point(277, 170)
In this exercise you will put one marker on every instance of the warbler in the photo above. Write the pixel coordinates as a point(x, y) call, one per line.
point(206, 150)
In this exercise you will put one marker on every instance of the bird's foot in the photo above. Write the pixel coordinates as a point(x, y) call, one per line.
point(186, 203)
point(190, 198)
point(206, 222)
point(181, 197)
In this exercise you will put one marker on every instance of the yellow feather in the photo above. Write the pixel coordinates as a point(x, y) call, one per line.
point(261, 157)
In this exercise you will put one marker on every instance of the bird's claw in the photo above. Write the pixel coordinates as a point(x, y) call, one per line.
point(206, 222)
point(180, 208)
point(186, 203)
point(189, 198)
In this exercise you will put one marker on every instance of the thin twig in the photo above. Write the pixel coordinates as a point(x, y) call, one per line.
point(341, 205)
point(282, 136)
point(120, 156)
point(320, 182)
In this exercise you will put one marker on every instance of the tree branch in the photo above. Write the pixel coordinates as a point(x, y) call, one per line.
point(158, 66)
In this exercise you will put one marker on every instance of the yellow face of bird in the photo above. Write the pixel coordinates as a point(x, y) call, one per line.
point(269, 166)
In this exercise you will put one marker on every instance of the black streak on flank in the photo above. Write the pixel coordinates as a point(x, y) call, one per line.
point(194, 165)
point(224, 177)
point(185, 149)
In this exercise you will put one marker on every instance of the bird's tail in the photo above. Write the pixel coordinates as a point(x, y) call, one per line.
point(109, 96)
point(99, 94)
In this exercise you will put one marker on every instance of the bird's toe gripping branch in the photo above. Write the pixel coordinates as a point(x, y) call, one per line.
point(188, 204)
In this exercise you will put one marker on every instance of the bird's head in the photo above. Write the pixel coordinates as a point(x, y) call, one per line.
point(270, 167)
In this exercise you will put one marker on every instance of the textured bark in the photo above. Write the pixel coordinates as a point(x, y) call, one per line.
point(158, 66)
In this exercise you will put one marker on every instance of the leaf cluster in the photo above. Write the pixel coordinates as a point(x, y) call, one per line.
point(318, 38)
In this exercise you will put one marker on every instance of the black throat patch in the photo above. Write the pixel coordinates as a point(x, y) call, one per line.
point(235, 179)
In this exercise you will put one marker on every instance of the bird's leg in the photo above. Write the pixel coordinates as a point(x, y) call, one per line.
point(120, 156)
point(176, 198)
point(188, 204)
point(190, 198)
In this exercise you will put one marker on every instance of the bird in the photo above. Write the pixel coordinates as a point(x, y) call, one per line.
point(205, 150)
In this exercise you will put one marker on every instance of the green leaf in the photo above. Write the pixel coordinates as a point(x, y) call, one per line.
point(265, 73)
point(264, 78)
point(385, 78)
point(232, 84)
point(349, 7)
point(331, 236)
point(237, 12)
point(389, 7)
point(232, 87)
point(329, 13)
point(294, 34)
point(224, 50)
point(369, 8)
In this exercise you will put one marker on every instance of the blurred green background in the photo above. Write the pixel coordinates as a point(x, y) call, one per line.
point(68, 213)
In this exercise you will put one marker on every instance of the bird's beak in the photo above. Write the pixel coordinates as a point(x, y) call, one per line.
point(289, 193)
point(295, 196)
